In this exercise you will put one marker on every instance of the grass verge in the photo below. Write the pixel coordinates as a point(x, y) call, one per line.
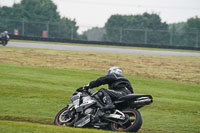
point(24, 127)
point(32, 94)
point(180, 68)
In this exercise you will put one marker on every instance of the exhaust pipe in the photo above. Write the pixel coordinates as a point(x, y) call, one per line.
point(143, 101)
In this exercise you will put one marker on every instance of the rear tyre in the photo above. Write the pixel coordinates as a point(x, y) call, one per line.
point(132, 123)
point(65, 117)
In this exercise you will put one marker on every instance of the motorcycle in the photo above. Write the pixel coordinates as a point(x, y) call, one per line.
point(86, 112)
point(4, 38)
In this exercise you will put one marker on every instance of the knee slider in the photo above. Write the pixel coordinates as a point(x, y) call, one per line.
point(100, 94)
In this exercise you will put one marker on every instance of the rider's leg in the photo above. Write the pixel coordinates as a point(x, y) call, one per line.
point(107, 100)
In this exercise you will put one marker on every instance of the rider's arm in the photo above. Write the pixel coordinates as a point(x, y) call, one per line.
point(101, 81)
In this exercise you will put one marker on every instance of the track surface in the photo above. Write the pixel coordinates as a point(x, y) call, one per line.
point(98, 49)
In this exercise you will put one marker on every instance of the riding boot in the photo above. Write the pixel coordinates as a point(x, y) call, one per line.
point(108, 102)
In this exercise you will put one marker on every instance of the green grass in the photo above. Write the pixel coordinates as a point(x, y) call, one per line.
point(23, 127)
point(30, 97)
point(180, 68)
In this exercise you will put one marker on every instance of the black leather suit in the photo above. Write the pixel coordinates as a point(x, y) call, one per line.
point(118, 85)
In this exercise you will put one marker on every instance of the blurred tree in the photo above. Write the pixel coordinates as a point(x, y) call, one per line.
point(4, 11)
point(186, 33)
point(40, 10)
point(35, 16)
point(192, 24)
point(66, 28)
point(127, 28)
point(94, 34)
point(177, 32)
point(177, 27)
point(192, 31)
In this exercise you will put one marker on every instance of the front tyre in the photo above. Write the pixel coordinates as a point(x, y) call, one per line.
point(132, 123)
point(4, 42)
point(65, 117)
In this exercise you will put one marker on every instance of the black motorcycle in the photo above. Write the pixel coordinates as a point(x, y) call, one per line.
point(4, 38)
point(86, 111)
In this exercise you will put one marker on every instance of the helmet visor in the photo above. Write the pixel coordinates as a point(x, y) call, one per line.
point(108, 72)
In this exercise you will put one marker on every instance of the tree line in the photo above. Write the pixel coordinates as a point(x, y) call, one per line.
point(148, 29)
point(33, 12)
point(144, 28)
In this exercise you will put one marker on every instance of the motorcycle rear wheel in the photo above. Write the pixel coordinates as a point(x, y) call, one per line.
point(65, 117)
point(133, 123)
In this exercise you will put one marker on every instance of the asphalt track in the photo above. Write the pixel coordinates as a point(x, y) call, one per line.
point(98, 49)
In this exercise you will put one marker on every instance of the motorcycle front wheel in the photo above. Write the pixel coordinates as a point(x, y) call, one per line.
point(65, 117)
point(4, 42)
point(132, 123)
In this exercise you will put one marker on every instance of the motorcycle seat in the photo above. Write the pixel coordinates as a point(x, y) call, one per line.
point(133, 96)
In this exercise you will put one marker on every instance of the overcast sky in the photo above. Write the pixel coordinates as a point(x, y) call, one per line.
point(96, 12)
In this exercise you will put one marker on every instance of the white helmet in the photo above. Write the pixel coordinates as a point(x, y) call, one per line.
point(6, 32)
point(116, 70)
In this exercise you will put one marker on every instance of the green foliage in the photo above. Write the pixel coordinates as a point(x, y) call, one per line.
point(144, 21)
point(176, 30)
point(149, 29)
point(3, 11)
point(94, 34)
point(32, 17)
point(130, 27)
point(17, 11)
point(40, 10)
point(186, 33)
point(192, 25)
point(66, 28)
point(192, 28)
point(177, 27)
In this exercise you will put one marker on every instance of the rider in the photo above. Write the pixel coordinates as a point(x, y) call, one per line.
point(118, 86)
point(4, 34)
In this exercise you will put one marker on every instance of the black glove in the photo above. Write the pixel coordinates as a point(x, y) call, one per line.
point(86, 87)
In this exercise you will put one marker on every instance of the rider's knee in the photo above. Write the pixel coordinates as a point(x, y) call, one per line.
point(101, 94)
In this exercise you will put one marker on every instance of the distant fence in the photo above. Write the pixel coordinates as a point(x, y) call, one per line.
point(21, 29)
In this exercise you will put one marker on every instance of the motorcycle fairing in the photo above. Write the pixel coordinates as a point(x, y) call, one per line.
point(85, 106)
point(83, 121)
